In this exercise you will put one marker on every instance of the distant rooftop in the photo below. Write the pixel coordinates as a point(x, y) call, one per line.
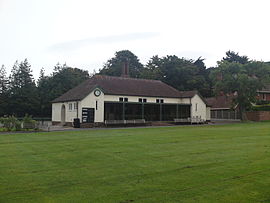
point(220, 102)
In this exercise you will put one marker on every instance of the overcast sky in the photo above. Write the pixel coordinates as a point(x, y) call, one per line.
point(86, 33)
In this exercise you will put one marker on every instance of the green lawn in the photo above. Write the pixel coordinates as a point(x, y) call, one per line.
point(226, 163)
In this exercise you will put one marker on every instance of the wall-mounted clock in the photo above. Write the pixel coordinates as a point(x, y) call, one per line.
point(97, 93)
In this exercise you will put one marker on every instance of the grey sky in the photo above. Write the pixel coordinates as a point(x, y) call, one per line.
point(74, 45)
point(85, 33)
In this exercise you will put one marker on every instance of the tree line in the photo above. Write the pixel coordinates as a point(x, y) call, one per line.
point(20, 94)
point(234, 74)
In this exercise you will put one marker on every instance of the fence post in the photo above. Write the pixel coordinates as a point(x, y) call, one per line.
point(222, 114)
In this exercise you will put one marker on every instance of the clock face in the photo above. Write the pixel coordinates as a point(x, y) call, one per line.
point(97, 93)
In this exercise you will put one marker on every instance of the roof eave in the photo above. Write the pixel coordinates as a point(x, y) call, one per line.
point(61, 101)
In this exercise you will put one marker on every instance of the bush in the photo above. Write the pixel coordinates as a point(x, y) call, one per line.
point(11, 123)
point(260, 108)
point(2, 129)
point(262, 102)
point(28, 122)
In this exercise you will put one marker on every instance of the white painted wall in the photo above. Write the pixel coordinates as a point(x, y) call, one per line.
point(200, 111)
point(115, 98)
point(184, 101)
point(70, 114)
point(208, 113)
point(90, 102)
point(56, 112)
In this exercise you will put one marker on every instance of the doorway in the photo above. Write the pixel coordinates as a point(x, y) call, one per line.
point(63, 114)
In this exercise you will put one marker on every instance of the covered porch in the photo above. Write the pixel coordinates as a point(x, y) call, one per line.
point(145, 111)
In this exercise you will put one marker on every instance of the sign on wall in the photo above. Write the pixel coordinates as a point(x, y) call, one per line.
point(88, 115)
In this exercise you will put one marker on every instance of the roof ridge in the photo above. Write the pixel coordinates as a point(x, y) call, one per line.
point(125, 78)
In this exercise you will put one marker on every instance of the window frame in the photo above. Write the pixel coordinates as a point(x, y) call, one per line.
point(70, 105)
point(75, 105)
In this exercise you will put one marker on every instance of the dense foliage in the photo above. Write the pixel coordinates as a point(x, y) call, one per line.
point(180, 73)
point(3, 91)
point(114, 66)
point(260, 108)
point(11, 123)
point(20, 94)
point(22, 90)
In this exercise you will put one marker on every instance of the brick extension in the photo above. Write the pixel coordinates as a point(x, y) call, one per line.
point(258, 115)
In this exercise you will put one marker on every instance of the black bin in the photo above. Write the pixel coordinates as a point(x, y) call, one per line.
point(76, 123)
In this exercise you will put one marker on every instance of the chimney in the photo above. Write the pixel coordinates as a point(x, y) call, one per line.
point(125, 69)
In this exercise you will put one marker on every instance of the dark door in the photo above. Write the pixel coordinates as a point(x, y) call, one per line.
point(88, 115)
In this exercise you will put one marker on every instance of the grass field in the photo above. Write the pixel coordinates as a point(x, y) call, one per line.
point(226, 163)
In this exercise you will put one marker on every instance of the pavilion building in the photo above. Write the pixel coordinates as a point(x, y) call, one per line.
point(101, 99)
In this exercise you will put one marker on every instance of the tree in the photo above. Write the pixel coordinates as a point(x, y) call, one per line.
point(114, 66)
point(243, 80)
point(205, 72)
point(65, 78)
point(43, 91)
point(60, 81)
point(180, 73)
point(23, 95)
point(3, 91)
point(232, 56)
point(3, 80)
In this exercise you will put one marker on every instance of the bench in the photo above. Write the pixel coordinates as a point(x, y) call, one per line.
point(196, 120)
point(182, 120)
point(29, 125)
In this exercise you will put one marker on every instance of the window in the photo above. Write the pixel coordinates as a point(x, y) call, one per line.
point(160, 101)
point(75, 105)
point(96, 105)
point(196, 107)
point(123, 99)
point(142, 100)
point(70, 106)
point(264, 97)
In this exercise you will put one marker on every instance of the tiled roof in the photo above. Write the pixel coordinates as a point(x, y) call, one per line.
point(265, 89)
point(123, 86)
point(220, 102)
point(188, 94)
